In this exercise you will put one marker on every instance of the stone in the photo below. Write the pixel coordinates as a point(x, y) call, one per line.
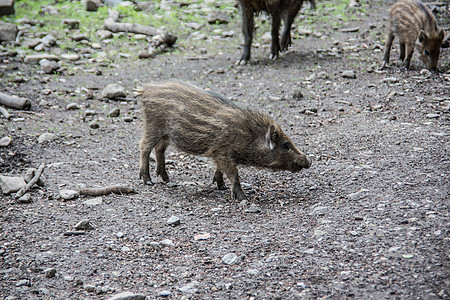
point(68, 194)
point(74, 232)
point(72, 106)
point(8, 31)
point(349, 74)
point(112, 91)
point(93, 5)
point(9, 184)
point(93, 202)
point(94, 125)
point(104, 34)
point(5, 141)
point(218, 17)
point(190, 288)
point(173, 221)
point(24, 199)
point(36, 58)
point(84, 225)
point(390, 79)
point(253, 209)
point(50, 272)
point(230, 259)
point(127, 296)
point(6, 7)
point(71, 57)
point(79, 37)
point(165, 293)
point(71, 23)
point(49, 67)
point(167, 243)
point(113, 113)
point(47, 137)
point(433, 116)
point(352, 29)
point(48, 40)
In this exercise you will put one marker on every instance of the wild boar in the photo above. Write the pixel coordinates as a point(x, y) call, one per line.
point(414, 25)
point(278, 9)
point(206, 123)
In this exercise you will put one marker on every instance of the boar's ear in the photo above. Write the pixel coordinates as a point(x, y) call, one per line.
point(441, 34)
point(422, 37)
point(272, 136)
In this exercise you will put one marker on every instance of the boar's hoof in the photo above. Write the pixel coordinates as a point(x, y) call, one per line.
point(242, 62)
point(273, 56)
point(239, 195)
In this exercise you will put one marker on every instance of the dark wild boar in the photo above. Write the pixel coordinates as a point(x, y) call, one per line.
point(278, 9)
point(415, 26)
point(206, 123)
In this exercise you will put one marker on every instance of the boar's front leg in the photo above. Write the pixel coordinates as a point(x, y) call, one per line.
point(229, 168)
point(276, 21)
point(286, 35)
point(146, 145)
point(218, 178)
point(248, 24)
point(160, 150)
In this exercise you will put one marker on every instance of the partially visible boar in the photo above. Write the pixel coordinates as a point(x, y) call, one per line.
point(414, 25)
point(206, 123)
point(278, 9)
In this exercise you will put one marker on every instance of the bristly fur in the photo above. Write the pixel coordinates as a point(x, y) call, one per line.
point(207, 123)
point(415, 26)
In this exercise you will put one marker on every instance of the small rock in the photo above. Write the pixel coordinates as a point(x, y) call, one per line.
point(253, 209)
point(425, 72)
point(71, 23)
point(349, 74)
point(47, 137)
point(120, 234)
point(127, 296)
point(36, 58)
point(173, 221)
point(319, 211)
point(297, 94)
point(113, 90)
point(71, 57)
point(390, 79)
point(8, 31)
point(50, 272)
point(49, 67)
point(5, 141)
point(6, 7)
point(167, 243)
point(230, 259)
point(94, 124)
point(352, 29)
point(24, 199)
point(10, 184)
point(79, 37)
point(104, 34)
point(72, 106)
point(68, 194)
point(89, 288)
point(93, 202)
point(202, 236)
point(93, 5)
point(190, 288)
point(322, 75)
point(115, 112)
point(165, 294)
point(23, 282)
point(218, 17)
point(433, 116)
point(84, 225)
point(74, 232)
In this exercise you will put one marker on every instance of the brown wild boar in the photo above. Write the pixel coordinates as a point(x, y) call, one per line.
point(414, 25)
point(206, 123)
point(278, 9)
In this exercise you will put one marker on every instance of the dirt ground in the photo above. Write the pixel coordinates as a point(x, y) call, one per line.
point(369, 220)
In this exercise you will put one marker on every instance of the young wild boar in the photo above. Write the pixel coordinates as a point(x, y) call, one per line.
point(206, 123)
point(411, 21)
point(278, 9)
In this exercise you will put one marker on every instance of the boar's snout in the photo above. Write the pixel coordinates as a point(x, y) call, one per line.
point(303, 163)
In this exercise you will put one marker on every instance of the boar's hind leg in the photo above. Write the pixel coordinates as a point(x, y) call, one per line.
point(218, 178)
point(160, 150)
point(248, 24)
point(229, 168)
point(146, 146)
point(387, 47)
point(409, 53)
point(402, 51)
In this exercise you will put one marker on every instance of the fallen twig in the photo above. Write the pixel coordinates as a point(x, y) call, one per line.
point(32, 182)
point(14, 102)
point(116, 189)
point(5, 113)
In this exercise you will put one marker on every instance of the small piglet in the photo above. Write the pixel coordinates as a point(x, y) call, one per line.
point(414, 25)
point(206, 123)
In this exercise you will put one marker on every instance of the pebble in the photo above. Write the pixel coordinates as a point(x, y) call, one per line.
point(47, 137)
point(128, 296)
point(230, 259)
point(190, 288)
point(74, 232)
point(94, 201)
point(167, 243)
point(253, 209)
point(352, 29)
point(84, 224)
point(9, 184)
point(50, 272)
point(349, 74)
point(89, 288)
point(112, 91)
point(319, 211)
point(49, 67)
point(390, 79)
point(71, 23)
point(104, 34)
point(433, 116)
point(72, 106)
point(23, 282)
point(71, 57)
point(94, 124)
point(68, 194)
point(115, 112)
point(165, 293)
point(25, 199)
point(5, 141)
point(173, 221)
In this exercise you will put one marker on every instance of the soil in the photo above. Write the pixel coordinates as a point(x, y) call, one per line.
point(369, 219)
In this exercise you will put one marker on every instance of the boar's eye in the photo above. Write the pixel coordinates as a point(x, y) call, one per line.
point(286, 146)
point(426, 53)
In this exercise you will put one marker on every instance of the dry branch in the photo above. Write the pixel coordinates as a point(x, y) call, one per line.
point(32, 182)
point(116, 189)
point(112, 25)
point(14, 102)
